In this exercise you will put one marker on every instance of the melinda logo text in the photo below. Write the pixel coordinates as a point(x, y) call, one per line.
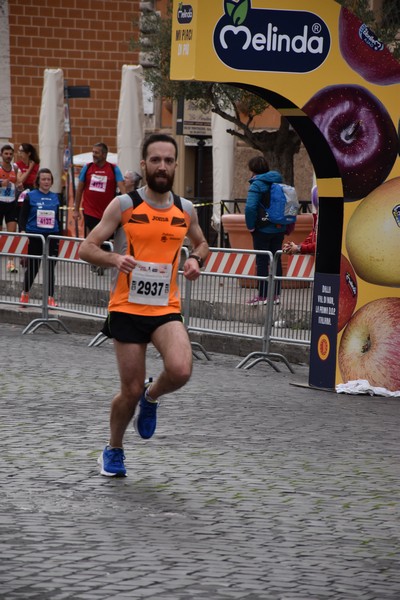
point(263, 39)
point(185, 13)
point(275, 41)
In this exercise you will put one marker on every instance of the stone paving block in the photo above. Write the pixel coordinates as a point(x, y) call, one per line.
point(250, 486)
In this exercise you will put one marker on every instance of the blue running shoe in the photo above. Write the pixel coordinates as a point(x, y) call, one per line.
point(111, 462)
point(145, 421)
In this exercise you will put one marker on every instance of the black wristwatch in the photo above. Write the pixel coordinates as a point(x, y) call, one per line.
point(198, 258)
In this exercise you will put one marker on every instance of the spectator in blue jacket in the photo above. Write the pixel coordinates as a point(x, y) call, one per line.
point(40, 215)
point(268, 236)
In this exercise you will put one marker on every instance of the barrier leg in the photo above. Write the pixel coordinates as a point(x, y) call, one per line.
point(283, 359)
point(268, 357)
point(98, 340)
point(199, 347)
point(262, 359)
point(36, 323)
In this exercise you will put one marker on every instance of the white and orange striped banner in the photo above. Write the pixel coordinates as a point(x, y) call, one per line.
point(230, 263)
point(300, 265)
point(69, 249)
point(13, 244)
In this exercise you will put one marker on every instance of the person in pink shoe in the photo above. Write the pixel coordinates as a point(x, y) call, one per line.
point(266, 235)
point(40, 214)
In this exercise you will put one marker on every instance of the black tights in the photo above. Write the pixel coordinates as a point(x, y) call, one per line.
point(35, 249)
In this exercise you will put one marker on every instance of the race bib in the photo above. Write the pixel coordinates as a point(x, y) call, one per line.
point(98, 183)
point(45, 219)
point(150, 283)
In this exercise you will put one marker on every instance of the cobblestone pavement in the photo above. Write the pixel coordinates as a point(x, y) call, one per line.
point(251, 489)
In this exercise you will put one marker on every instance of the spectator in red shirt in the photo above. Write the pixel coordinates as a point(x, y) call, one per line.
point(98, 182)
point(28, 167)
point(310, 243)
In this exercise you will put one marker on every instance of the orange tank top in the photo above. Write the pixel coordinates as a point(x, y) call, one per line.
point(154, 237)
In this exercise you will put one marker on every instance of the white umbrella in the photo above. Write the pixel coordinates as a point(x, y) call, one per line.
point(130, 129)
point(223, 145)
point(51, 125)
point(81, 160)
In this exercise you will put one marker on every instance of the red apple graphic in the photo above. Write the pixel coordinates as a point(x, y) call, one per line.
point(370, 345)
point(360, 133)
point(364, 53)
point(347, 293)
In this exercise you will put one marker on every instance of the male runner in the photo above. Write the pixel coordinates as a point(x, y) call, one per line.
point(144, 303)
point(8, 202)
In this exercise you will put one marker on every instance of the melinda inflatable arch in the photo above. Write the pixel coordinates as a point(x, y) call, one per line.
point(330, 219)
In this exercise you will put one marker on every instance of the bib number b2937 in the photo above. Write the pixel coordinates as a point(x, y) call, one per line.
point(150, 283)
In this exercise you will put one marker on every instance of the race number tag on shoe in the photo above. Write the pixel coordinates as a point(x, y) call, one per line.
point(45, 219)
point(150, 283)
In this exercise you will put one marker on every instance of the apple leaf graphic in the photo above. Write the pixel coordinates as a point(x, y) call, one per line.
point(237, 10)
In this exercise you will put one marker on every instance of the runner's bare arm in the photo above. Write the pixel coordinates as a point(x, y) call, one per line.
point(90, 249)
point(78, 198)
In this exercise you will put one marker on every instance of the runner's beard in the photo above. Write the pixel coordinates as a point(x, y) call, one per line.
point(159, 184)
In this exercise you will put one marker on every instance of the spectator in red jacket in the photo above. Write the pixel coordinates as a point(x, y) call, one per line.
point(98, 182)
point(310, 243)
point(28, 167)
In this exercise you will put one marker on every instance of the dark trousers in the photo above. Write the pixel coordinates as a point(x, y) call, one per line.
point(272, 242)
point(90, 223)
point(35, 248)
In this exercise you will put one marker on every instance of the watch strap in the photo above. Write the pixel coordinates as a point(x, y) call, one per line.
point(198, 258)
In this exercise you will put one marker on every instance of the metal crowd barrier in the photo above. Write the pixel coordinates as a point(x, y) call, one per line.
point(219, 300)
point(290, 320)
point(216, 303)
point(14, 248)
point(78, 288)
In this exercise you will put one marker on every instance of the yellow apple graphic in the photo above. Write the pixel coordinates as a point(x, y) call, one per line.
point(373, 236)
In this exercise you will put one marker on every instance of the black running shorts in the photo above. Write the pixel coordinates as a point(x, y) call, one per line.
point(9, 212)
point(135, 329)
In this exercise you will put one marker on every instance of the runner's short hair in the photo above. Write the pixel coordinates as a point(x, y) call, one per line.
point(158, 137)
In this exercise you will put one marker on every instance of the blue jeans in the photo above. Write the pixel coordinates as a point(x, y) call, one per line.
point(272, 242)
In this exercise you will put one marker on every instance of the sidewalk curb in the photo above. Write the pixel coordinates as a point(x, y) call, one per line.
point(236, 346)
